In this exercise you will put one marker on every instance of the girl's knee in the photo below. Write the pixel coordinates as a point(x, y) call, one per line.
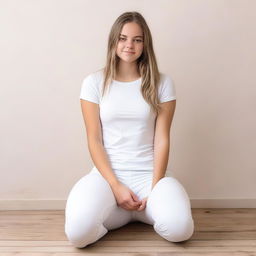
point(84, 232)
point(177, 230)
point(84, 216)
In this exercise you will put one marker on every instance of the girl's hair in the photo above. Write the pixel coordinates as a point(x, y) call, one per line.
point(147, 64)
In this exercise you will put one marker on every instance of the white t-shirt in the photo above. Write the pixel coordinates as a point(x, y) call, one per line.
point(127, 122)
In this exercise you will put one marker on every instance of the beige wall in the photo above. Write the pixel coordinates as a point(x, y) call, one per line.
point(48, 47)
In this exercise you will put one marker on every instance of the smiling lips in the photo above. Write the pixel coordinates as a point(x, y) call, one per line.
point(130, 52)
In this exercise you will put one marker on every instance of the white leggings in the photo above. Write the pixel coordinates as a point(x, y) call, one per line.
point(91, 208)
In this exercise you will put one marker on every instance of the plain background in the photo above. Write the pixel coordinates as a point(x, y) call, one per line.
point(48, 47)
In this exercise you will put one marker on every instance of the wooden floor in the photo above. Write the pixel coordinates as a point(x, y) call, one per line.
point(217, 232)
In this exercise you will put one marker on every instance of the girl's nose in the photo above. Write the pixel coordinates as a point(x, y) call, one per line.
point(129, 43)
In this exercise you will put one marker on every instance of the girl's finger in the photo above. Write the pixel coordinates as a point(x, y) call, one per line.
point(142, 207)
point(134, 197)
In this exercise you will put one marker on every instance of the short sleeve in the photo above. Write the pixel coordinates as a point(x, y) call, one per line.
point(167, 90)
point(89, 90)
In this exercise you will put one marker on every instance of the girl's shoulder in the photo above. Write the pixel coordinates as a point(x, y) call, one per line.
point(95, 76)
point(91, 87)
point(165, 77)
point(166, 88)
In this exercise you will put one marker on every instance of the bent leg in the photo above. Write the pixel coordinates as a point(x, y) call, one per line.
point(169, 206)
point(90, 202)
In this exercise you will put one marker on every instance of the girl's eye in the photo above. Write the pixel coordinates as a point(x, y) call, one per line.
point(137, 40)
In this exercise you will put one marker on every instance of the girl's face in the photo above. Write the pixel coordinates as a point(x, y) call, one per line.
point(130, 44)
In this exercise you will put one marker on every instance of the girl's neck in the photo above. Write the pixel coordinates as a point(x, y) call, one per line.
point(127, 72)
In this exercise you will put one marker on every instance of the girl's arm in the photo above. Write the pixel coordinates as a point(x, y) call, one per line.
point(162, 139)
point(125, 197)
point(95, 142)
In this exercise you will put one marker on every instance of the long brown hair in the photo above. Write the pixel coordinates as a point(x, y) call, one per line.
point(147, 64)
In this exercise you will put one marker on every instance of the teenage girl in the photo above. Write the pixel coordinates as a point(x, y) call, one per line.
point(128, 107)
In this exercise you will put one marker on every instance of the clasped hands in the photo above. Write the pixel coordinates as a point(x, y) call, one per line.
point(127, 199)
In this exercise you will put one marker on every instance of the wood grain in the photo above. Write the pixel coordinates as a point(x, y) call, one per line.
point(217, 232)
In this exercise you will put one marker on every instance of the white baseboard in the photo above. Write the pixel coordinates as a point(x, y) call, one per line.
point(61, 203)
point(29, 204)
point(224, 203)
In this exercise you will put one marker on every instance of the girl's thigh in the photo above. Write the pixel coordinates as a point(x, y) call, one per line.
point(168, 200)
point(92, 199)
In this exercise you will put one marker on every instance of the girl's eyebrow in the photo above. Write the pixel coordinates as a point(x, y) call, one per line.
point(133, 37)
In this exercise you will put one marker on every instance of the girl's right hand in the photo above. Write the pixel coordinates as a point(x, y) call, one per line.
point(125, 197)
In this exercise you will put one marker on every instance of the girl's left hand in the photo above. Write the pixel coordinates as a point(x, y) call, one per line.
point(143, 205)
